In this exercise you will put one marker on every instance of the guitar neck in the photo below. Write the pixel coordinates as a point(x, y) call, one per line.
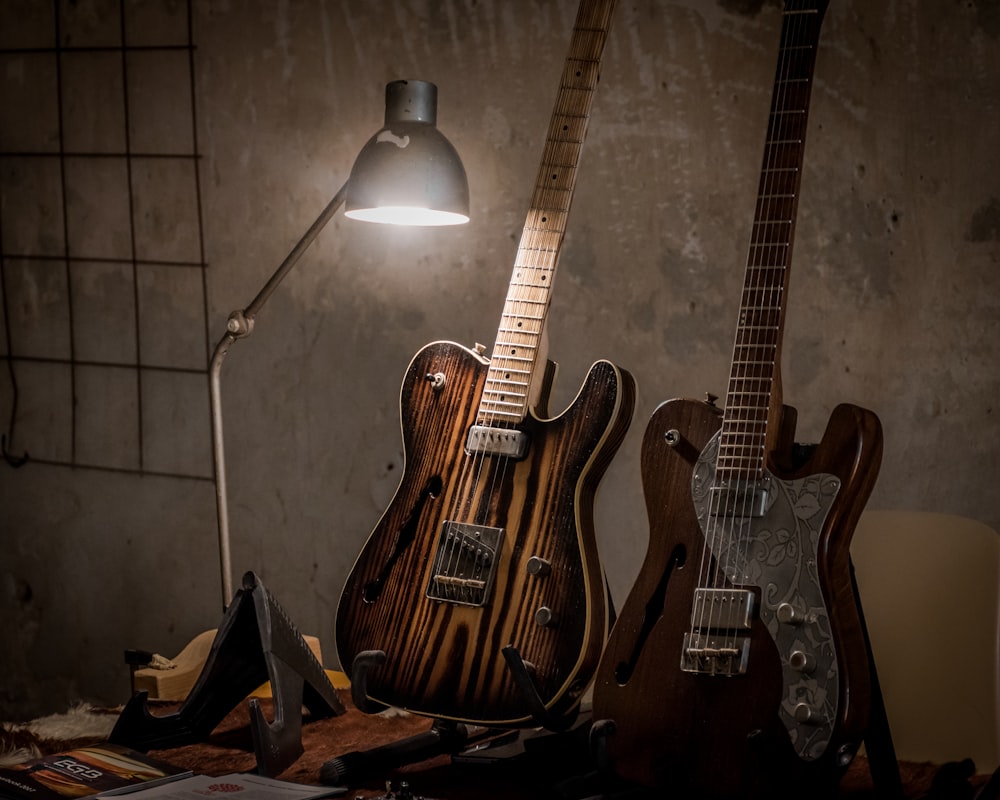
point(753, 400)
point(516, 351)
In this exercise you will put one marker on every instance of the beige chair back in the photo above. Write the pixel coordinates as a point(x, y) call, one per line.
point(930, 590)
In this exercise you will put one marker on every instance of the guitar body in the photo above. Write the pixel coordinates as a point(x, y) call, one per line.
point(713, 735)
point(443, 583)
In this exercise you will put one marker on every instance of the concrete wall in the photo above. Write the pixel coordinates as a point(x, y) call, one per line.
point(894, 301)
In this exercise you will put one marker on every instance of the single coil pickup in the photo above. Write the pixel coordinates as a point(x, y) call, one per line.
point(744, 499)
point(725, 609)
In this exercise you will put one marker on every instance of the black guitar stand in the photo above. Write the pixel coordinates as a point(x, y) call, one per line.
point(445, 737)
point(256, 643)
point(882, 762)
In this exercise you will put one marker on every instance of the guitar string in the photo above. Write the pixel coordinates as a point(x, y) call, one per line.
point(767, 256)
point(742, 443)
point(523, 295)
point(787, 129)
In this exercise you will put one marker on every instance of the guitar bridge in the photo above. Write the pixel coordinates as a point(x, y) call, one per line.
point(465, 563)
point(719, 641)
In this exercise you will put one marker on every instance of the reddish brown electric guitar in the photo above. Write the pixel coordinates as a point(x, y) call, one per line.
point(480, 592)
point(738, 667)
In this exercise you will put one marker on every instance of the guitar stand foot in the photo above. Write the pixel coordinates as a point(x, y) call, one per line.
point(363, 662)
point(526, 686)
point(445, 737)
point(599, 733)
point(256, 643)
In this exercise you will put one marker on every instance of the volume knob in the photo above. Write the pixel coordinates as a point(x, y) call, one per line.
point(802, 661)
point(787, 614)
point(538, 566)
point(545, 617)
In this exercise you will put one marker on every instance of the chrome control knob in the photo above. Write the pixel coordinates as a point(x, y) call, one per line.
point(545, 617)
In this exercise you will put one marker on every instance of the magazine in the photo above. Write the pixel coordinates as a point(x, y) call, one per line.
point(244, 787)
point(102, 769)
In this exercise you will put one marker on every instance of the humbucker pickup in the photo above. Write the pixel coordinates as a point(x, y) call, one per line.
point(489, 441)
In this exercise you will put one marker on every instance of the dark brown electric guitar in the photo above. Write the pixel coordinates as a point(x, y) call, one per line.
point(479, 596)
point(738, 667)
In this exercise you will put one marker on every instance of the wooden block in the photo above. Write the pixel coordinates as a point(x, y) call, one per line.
point(176, 683)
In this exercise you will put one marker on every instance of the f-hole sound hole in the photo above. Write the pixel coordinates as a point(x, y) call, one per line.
point(651, 614)
point(407, 532)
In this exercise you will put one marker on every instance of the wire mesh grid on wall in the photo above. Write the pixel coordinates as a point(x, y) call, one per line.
point(102, 268)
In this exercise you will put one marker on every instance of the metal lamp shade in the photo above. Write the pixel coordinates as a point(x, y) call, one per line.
point(409, 173)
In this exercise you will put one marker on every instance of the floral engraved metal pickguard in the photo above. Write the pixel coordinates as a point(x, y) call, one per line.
point(771, 542)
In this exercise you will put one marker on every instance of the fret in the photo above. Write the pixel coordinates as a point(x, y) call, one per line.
point(506, 381)
point(760, 246)
point(485, 414)
point(522, 330)
point(524, 342)
point(540, 240)
point(508, 371)
point(753, 364)
point(755, 293)
point(786, 128)
point(753, 320)
point(508, 358)
point(766, 274)
point(737, 398)
point(756, 416)
point(502, 403)
point(744, 389)
point(754, 353)
point(748, 424)
point(527, 317)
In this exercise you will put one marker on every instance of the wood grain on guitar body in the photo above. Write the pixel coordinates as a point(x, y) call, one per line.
point(481, 584)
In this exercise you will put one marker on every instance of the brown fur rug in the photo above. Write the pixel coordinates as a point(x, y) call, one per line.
point(229, 749)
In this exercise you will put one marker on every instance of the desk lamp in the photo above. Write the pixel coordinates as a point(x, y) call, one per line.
point(407, 174)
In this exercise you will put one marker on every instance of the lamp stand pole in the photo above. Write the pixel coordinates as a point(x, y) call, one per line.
point(239, 326)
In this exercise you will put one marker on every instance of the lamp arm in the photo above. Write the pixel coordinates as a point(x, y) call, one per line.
point(239, 326)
